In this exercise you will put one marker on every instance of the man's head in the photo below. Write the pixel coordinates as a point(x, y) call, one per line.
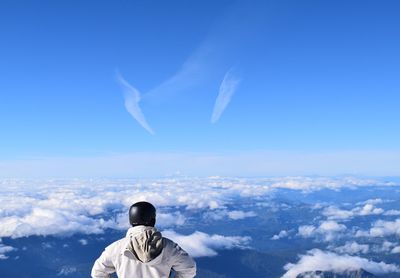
point(142, 213)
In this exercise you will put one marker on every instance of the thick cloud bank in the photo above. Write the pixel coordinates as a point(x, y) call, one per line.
point(327, 261)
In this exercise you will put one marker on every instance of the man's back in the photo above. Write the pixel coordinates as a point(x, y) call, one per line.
point(144, 253)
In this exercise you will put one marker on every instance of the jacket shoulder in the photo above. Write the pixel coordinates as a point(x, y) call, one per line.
point(168, 243)
point(172, 246)
point(116, 246)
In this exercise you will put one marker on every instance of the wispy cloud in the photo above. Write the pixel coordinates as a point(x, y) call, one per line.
point(132, 99)
point(226, 90)
point(210, 58)
point(197, 69)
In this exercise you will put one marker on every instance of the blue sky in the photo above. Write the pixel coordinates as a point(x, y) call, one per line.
point(313, 79)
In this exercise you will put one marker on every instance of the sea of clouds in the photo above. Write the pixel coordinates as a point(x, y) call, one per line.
point(83, 206)
point(63, 207)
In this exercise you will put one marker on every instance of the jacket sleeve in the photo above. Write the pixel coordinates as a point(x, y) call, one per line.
point(183, 265)
point(103, 266)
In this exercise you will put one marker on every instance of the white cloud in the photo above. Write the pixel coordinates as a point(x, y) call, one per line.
point(331, 226)
point(65, 207)
point(396, 250)
point(371, 201)
point(392, 212)
point(369, 209)
point(307, 231)
point(199, 244)
point(227, 89)
point(388, 247)
point(381, 228)
point(330, 229)
point(5, 249)
point(327, 230)
point(78, 206)
point(333, 212)
point(282, 234)
point(219, 214)
point(239, 214)
point(170, 219)
point(215, 214)
point(83, 241)
point(67, 270)
point(45, 222)
point(132, 99)
point(352, 248)
point(385, 247)
point(327, 261)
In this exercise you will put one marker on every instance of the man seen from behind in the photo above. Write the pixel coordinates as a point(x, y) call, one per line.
point(144, 252)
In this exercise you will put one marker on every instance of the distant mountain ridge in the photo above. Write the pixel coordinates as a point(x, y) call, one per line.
point(329, 274)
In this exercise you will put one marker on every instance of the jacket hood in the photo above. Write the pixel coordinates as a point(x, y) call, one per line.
point(145, 243)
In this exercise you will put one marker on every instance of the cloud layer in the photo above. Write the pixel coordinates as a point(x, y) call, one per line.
point(59, 207)
point(91, 206)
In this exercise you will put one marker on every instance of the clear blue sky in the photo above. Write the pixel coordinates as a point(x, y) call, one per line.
point(315, 77)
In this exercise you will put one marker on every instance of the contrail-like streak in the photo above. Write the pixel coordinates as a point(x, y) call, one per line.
point(226, 90)
point(132, 99)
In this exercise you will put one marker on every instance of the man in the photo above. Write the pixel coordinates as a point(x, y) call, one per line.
point(144, 253)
